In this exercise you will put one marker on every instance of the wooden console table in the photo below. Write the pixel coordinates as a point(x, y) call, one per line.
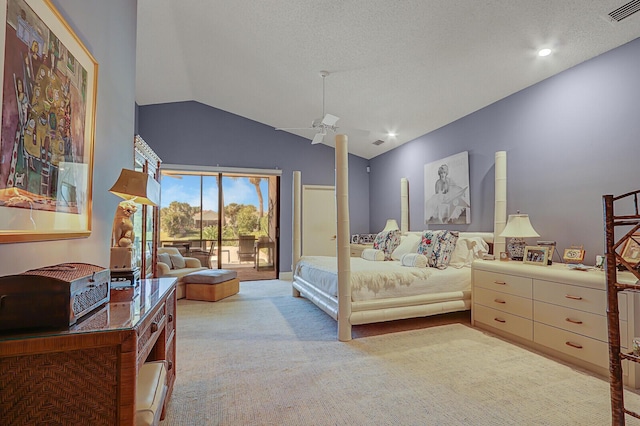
point(87, 374)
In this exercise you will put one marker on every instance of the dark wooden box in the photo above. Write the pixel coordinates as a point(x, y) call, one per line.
point(52, 297)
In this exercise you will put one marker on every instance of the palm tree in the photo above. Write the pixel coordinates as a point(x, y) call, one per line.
point(255, 181)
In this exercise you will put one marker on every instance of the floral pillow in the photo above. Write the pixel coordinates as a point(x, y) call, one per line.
point(438, 246)
point(387, 242)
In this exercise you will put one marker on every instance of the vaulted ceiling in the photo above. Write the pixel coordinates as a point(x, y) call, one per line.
point(402, 66)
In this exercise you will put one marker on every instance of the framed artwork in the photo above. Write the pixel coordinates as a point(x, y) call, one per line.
point(49, 85)
point(631, 250)
point(446, 190)
point(536, 255)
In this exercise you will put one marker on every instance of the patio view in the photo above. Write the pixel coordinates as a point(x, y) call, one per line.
point(225, 220)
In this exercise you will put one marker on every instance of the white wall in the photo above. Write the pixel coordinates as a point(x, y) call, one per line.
point(108, 30)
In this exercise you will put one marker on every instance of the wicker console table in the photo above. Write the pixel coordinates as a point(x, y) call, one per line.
point(87, 374)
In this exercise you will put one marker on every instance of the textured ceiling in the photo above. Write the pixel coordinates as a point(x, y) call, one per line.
point(409, 66)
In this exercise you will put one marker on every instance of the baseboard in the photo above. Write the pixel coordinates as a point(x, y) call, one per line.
point(287, 276)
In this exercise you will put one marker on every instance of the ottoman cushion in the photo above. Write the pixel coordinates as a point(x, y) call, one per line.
point(209, 276)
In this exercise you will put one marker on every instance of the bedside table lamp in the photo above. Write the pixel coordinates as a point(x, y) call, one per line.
point(391, 225)
point(518, 228)
point(134, 187)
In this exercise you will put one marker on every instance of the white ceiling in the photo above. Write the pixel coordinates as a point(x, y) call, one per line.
point(409, 66)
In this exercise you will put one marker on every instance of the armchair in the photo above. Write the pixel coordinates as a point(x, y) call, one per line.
point(247, 248)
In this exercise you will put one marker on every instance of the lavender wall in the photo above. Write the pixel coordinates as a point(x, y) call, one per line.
point(569, 140)
point(108, 30)
point(195, 134)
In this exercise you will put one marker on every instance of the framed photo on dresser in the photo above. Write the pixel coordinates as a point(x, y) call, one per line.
point(536, 255)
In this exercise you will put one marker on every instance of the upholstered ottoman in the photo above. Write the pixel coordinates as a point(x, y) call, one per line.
point(211, 285)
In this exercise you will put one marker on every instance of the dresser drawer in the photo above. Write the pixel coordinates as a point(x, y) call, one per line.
point(511, 284)
point(149, 331)
point(573, 320)
point(578, 346)
point(571, 296)
point(506, 322)
point(504, 302)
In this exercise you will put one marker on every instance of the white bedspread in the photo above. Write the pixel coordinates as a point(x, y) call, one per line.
point(380, 280)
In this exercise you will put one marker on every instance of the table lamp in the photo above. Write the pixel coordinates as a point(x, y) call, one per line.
point(518, 228)
point(134, 187)
point(391, 225)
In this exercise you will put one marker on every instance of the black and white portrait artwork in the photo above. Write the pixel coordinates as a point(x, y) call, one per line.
point(446, 190)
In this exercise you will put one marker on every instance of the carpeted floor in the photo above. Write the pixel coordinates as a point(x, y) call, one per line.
point(263, 357)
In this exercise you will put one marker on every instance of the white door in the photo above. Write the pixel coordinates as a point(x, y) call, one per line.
point(318, 220)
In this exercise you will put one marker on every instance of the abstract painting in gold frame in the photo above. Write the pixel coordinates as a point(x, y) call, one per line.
point(49, 84)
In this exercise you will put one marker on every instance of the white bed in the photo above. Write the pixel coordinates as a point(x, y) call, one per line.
point(348, 290)
point(387, 290)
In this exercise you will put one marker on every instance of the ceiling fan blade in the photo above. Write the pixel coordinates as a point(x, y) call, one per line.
point(294, 128)
point(318, 138)
point(330, 120)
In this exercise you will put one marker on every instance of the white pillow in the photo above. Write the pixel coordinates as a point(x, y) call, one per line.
point(408, 244)
point(467, 250)
point(372, 254)
point(164, 258)
point(414, 259)
point(177, 261)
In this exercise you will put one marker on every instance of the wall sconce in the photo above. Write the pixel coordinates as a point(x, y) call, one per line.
point(134, 187)
point(518, 228)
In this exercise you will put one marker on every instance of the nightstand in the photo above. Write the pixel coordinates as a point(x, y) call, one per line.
point(555, 310)
point(356, 249)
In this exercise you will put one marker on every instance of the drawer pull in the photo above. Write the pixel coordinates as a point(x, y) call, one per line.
point(170, 317)
point(499, 301)
point(573, 321)
point(500, 282)
point(154, 327)
point(500, 320)
point(568, 296)
point(573, 345)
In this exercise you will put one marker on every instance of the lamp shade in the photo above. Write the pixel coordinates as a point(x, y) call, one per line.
point(391, 225)
point(519, 226)
point(138, 187)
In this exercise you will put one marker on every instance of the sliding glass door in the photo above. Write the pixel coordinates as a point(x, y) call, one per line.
point(226, 220)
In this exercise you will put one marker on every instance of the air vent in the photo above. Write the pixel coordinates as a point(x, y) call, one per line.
point(625, 11)
point(378, 142)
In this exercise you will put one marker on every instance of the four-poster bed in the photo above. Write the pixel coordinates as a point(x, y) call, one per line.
point(357, 291)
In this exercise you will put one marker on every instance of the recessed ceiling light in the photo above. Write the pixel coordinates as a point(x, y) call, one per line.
point(544, 52)
point(392, 134)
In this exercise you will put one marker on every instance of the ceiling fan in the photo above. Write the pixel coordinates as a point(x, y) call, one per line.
point(320, 125)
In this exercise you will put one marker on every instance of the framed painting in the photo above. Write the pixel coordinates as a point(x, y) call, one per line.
point(446, 190)
point(536, 255)
point(631, 250)
point(49, 85)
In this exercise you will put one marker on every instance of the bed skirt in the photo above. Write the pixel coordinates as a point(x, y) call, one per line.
point(380, 310)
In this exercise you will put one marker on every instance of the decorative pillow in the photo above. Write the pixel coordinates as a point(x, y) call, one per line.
point(177, 261)
point(387, 242)
point(372, 254)
point(438, 246)
point(164, 258)
point(414, 259)
point(408, 244)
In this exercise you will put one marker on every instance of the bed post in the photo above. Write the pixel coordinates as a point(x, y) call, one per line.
point(344, 251)
point(500, 208)
point(295, 232)
point(404, 205)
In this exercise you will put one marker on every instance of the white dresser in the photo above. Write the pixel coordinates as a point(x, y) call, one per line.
point(555, 310)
